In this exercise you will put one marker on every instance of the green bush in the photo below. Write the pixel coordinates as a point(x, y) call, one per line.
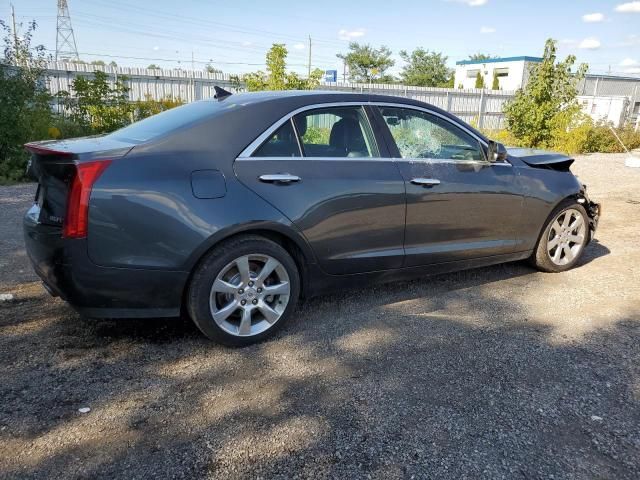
point(24, 102)
point(503, 136)
point(147, 107)
point(98, 105)
point(583, 137)
point(601, 139)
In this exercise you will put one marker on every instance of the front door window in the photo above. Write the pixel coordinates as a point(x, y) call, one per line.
point(419, 134)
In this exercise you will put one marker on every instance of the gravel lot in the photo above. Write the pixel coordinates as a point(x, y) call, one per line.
point(500, 372)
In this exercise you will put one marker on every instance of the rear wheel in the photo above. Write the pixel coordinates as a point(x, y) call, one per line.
point(563, 239)
point(243, 291)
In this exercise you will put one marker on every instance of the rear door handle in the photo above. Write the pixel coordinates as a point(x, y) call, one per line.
point(279, 178)
point(425, 182)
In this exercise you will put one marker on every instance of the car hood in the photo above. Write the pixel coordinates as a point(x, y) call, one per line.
point(541, 158)
point(534, 157)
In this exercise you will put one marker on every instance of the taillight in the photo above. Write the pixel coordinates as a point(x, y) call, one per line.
point(77, 217)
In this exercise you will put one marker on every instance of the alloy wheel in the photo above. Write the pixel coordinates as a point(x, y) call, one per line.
point(566, 236)
point(249, 295)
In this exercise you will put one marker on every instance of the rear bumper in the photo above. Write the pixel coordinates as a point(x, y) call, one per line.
point(95, 291)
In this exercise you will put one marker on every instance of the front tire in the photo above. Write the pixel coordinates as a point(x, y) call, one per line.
point(563, 239)
point(243, 291)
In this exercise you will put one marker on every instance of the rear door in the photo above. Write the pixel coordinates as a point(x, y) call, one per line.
point(459, 205)
point(324, 170)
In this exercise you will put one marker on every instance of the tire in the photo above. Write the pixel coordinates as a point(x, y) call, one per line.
point(225, 286)
point(571, 239)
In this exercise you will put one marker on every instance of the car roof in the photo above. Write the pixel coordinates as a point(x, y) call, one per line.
point(315, 96)
point(298, 98)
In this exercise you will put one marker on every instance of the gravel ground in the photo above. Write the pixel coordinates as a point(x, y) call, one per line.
point(500, 372)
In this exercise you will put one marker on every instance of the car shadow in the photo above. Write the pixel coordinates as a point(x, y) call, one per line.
point(169, 330)
point(593, 251)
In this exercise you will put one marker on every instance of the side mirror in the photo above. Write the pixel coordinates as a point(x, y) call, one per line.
point(497, 152)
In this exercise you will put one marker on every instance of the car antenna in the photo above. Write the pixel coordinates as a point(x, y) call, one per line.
point(221, 93)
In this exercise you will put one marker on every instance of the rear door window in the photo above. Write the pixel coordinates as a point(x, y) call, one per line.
point(336, 132)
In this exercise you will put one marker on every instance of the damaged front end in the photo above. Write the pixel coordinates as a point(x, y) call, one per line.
point(560, 163)
point(594, 210)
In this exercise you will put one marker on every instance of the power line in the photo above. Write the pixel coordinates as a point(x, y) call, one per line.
point(183, 18)
point(180, 60)
point(170, 35)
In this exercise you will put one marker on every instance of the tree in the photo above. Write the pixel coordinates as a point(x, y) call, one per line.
point(366, 63)
point(277, 77)
point(451, 83)
point(496, 82)
point(236, 81)
point(25, 114)
point(548, 103)
point(153, 66)
point(211, 69)
point(98, 105)
point(476, 57)
point(425, 68)
point(479, 80)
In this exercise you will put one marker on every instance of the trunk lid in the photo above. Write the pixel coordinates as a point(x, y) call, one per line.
point(53, 166)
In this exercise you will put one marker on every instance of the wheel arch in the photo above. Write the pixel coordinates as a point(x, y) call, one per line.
point(577, 197)
point(285, 236)
point(580, 198)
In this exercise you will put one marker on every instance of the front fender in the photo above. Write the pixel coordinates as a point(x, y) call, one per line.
point(543, 190)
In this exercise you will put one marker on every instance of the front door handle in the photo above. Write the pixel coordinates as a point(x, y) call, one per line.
point(279, 178)
point(425, 182)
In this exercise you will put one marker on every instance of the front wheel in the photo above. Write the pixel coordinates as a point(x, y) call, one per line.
point(243, 291)
point(563, 239)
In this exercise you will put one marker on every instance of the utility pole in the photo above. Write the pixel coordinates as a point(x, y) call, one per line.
point(15, 32)
point(193, 78)
point(309, 65)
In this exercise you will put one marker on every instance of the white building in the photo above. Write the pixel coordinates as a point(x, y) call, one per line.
point(512, 72)
point(613, 110)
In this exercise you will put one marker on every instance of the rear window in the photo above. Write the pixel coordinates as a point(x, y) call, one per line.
point(171, 120)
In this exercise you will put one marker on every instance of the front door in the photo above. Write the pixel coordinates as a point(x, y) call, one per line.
point(459, 205)
point(323, 170)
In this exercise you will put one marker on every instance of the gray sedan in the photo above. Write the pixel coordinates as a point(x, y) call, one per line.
point(233, 208)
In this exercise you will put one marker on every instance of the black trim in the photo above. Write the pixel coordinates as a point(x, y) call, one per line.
point(381, 132)
point(100, 313)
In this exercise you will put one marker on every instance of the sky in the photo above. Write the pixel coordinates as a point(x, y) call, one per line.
point(234, 35)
